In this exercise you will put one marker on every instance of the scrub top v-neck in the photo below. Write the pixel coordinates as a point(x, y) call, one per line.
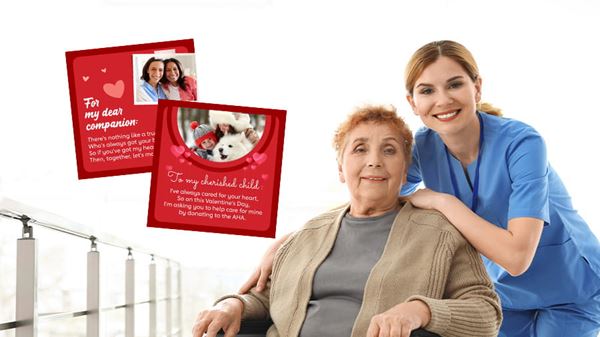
point(516, 180)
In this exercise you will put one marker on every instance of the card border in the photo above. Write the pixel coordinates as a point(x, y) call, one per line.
point(166, 107)
point(82, 173)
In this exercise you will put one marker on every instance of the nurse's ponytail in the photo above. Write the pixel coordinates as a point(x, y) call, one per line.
point(430, 52)
point(489, 109)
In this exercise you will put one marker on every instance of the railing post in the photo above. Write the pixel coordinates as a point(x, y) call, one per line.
point(129, 295)
point(152, 297)
point(26, 296)
point(179, 317)
point(93, 291)
point(169, 300)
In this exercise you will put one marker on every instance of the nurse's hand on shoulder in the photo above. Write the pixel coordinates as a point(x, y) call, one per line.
point(400, 320)
point(427, 199)
point(226, 315)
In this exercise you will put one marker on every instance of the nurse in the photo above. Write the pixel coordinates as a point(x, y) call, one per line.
point(490, 177)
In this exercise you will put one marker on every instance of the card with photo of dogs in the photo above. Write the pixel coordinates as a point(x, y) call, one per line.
point(216, 168)
point(114, 92)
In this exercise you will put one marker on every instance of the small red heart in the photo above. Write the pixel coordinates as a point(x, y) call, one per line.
point(85, 78)
point(253, 167)
point(259, 158)
point(187, 154)
point(103, 70)
point(265, 176)
point(169, 167)
point(248, 160)
point(177, 150)
point(181, 160)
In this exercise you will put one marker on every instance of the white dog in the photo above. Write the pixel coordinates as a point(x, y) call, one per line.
point(231, 147)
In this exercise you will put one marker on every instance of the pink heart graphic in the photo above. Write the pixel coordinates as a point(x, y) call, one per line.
point(103, 70)
point(169, 167)
point(248, 160)
point(253, 167)
point(181, 160)
point(85, 78)
point(114, 90)
point(189, 163)
point(265, 176)
point(177, 150)
point(259, 158)
point(187, 154)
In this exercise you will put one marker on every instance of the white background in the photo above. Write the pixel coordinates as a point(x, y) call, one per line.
point(317, 60)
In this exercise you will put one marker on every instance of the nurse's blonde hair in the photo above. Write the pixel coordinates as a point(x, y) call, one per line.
point(430, 52)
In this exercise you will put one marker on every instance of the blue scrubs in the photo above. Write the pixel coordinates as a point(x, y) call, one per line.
point(562, 285)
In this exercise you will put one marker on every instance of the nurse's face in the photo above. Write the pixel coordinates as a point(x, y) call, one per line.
point(155, 72)
point(172, 72)
point(445, 97)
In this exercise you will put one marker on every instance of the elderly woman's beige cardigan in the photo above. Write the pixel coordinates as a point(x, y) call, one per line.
point(425, 258)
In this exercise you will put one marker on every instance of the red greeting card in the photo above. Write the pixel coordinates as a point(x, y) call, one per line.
point(216, 168)
point(114, 92)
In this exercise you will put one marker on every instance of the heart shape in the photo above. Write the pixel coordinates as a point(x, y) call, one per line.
point(259, 158)
point(169, 167)
point(248, 160)
point(177, 150)
point(103, 70)
point(85, 78)
point(265, 176)
point(114, 90)
point(253, 167)
point(187, 154)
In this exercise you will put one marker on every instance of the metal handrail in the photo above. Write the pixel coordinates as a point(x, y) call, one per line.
point(29, 216)
point(14, 210)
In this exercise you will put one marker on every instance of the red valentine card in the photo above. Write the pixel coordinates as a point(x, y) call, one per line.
point(216, 168)
point(114, 92)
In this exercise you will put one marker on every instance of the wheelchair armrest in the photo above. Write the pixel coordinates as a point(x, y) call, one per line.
point(258, 328)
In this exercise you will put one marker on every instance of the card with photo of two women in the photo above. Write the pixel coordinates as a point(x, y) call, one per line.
point(215, 167)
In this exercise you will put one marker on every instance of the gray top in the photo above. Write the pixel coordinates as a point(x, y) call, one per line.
point(339, 282)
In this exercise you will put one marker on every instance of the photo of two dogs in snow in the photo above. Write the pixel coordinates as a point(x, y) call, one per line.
point(219, 136)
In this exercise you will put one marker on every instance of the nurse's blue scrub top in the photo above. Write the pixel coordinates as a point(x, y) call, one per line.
point(516, 180)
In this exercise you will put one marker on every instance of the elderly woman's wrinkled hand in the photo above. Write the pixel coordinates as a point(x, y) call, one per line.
point(400, 320)
point(226, 315)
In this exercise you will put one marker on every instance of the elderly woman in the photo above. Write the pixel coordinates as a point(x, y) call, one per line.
point(377, 266)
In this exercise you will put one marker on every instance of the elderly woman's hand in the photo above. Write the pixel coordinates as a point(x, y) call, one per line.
point(427, 199)
point(226, 315)
point(400, 320)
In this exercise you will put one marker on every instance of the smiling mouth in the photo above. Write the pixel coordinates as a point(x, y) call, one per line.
point(223, 156)
point(447, 116)
point(376, 179)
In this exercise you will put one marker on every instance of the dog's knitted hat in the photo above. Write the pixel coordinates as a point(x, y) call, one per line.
point(239, 121)
point(202, 132)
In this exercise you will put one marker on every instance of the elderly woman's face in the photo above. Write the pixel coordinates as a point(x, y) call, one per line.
point(372, 163)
